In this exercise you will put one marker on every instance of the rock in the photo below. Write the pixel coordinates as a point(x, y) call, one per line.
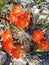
point(45, 12)
point(3, 57)
point(47, 1)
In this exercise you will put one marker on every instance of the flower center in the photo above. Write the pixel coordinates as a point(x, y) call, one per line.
point(10, 45)
point(17, 51)
point(22, 23)
point(42, 44)
point(37, 36)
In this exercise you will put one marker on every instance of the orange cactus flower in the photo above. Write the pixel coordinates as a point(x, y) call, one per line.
point(43, 45)
point(17, 9)
point(37, 36)
point(22, 23)
point(5, 35)
point(8, 45)
point(13, 17)
point(17, 52)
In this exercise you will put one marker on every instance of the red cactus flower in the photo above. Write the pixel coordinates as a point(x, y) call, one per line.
point(8, 45)
point(43, 45)
point(37, 36)
point(22, 23)
point(17, 52)
point(5, 35)
point(17, 9)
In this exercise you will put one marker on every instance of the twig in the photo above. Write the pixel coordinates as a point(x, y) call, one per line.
point(4, 18)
